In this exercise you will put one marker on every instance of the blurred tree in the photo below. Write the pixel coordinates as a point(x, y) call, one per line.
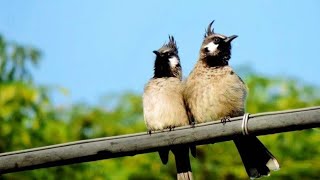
point(14, 61)
point(28, 119)
point(22, 103)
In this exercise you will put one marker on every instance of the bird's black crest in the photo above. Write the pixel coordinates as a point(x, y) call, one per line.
point(209, 30)
point(172, 44)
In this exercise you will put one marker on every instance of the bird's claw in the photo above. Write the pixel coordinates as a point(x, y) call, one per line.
point(225, 119)
point(171, 128)
point(193, 124)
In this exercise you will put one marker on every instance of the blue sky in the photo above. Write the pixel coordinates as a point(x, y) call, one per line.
point(94, 48)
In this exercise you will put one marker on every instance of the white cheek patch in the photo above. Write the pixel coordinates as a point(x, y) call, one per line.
point(173, 61)
point(212, 47)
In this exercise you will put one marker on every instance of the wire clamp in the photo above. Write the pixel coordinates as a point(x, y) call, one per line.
point(244, 126)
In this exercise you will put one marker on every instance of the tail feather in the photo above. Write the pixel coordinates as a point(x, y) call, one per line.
point(164, 155)
point(256, 158)
point(183, 165)
point(193, 150)
point(185, 176)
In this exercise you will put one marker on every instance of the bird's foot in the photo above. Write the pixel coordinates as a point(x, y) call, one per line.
point(171, 128)
point(193, 124)
point(225, 119)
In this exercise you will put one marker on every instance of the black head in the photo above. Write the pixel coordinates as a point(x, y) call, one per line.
point(216, 48)
point(167, 63)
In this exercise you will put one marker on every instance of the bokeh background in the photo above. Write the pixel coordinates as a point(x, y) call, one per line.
point(72, 70)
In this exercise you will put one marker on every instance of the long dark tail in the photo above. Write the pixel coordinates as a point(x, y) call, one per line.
point(181, 154)
point(256, 158)
point(164, 155)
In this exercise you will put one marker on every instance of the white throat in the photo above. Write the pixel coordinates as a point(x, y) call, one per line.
point(174, 61)
point(212, 47)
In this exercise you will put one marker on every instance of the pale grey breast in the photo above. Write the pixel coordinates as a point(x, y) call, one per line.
point(214, 93)
point(163, 104)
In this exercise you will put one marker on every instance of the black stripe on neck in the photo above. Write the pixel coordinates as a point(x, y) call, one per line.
point(216, 61)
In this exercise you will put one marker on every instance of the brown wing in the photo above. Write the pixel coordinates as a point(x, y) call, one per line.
point(190, 116)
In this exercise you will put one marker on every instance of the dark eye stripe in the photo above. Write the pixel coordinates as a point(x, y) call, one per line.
point(169, 53)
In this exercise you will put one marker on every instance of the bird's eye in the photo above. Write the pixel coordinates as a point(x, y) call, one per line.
point(216, 40)
point(169, 53)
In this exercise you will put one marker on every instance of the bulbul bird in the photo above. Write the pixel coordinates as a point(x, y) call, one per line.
point(163, 103)
point(214, 91)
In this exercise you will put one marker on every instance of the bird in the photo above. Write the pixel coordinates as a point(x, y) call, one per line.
point(163, 103)
point(214, 91)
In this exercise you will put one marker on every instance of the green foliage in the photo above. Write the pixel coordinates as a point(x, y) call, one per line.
point(23, 105)
point(28, 119)
point(14, 61)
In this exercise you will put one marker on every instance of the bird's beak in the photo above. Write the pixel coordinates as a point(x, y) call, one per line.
point(156, 52)
point(230, 38)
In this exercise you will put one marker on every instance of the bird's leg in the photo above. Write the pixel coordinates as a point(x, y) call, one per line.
point(225, 119)
point(149, 132)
